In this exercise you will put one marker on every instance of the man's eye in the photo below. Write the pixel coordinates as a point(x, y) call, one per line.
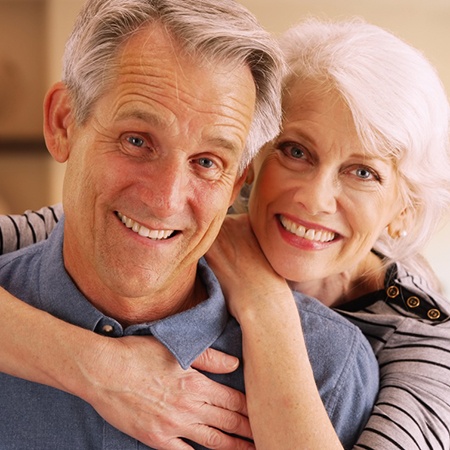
point(208, 168)
point(206, 163)
point(136, 141)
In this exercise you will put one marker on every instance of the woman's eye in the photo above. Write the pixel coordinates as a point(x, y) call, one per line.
point(293, 150)
point(296, 152)
point(364, 173)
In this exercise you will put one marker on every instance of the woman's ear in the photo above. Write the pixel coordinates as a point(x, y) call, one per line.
point(398, 228)
point(58, 119)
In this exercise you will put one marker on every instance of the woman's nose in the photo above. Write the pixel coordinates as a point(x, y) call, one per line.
point(318, 194)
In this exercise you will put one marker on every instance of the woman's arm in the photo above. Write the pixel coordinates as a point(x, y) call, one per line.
point(284, 405)
point(134, 383)
point(20, 230)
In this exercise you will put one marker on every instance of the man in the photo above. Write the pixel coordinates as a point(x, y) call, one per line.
point(162, 106)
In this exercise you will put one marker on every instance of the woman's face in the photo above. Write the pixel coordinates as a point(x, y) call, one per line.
point(319, 202)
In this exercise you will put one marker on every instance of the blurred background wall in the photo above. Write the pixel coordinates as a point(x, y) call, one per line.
point(32, 36)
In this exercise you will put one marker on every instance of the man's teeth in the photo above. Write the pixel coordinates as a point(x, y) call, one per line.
point(144, 231)
point(301, 231)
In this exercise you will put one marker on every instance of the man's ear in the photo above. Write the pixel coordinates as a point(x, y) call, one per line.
point(250, 174)
point(58, 119)
point(238, 185)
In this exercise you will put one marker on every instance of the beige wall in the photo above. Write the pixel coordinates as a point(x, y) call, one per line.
point(29, 180)
point(423, 23)
point(21, 78)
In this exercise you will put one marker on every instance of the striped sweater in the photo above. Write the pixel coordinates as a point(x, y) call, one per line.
point(409, 329)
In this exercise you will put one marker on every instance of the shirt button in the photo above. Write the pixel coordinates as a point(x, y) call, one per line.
point(107, 329)
point(434, 314)
point(392, 291)
point(413, 302)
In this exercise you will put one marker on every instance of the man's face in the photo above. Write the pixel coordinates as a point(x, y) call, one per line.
point(151, 174)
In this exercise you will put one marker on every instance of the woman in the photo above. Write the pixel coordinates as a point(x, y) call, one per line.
point(341, 204)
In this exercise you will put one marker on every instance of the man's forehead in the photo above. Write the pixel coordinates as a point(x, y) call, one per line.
point(154, 42)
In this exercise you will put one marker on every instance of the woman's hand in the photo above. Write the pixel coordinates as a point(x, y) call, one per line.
point(137, 386)
point(246, 277)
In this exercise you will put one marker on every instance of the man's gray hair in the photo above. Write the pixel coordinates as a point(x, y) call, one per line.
point(218, 30)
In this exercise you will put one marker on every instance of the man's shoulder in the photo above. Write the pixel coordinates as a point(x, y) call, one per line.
point(18, 266)
point(20, 271)
point(312, 310)
point(19, 256)
point(339, 340)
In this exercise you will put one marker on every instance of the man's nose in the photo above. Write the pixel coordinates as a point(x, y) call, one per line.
point(167, 189)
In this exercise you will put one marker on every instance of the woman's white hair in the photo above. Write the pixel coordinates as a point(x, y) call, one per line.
point(399, 107)
point(221, 31)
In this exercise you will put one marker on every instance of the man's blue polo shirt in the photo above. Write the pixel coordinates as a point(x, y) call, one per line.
point(33, 416)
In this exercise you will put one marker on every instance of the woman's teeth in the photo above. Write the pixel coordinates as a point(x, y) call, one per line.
point(301, 231)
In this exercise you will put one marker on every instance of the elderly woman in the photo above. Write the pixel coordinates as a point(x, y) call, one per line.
point(341, 204)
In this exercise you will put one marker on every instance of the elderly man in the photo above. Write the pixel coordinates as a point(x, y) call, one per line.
point(162, 105)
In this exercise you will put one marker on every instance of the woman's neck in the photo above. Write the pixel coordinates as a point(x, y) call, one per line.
point(366, 277)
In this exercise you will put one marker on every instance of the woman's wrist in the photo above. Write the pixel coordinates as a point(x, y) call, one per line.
point(257, 305)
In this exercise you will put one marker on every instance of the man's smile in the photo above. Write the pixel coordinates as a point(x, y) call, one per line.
point(144, 231)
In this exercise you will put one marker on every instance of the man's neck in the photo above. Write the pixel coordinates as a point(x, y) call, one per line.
point(175, 297)
point(134, 311)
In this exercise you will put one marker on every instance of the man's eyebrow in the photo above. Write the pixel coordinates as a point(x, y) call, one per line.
point(224, 143)
point(143, 116)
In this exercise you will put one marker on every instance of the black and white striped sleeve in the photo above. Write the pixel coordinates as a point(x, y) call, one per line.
point(412, 411)
point(21, 230)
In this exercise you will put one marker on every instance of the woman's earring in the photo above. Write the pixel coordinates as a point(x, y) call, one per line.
point(394, 234)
